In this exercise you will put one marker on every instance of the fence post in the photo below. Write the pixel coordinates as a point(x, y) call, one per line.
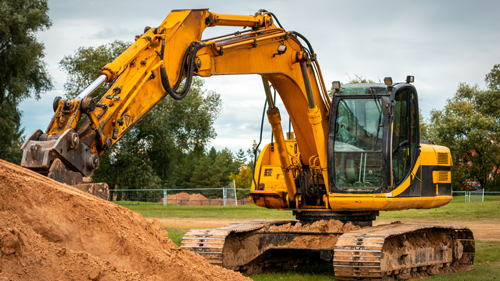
point(235, 197)
point(164, 197)
point(483, 196)
point(224, 195)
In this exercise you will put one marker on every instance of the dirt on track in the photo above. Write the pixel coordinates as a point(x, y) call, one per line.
point(484, 230)
point(49, 231)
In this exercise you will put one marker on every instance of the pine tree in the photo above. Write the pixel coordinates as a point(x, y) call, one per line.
point(203, 174)
point(241, 156)
point(212, 154)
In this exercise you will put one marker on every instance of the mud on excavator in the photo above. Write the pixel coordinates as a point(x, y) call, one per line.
point(354, 153)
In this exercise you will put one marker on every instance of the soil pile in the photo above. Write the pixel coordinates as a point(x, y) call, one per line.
point(318, 226)
point(314, 241)
point(197, 200)
point(49, 231)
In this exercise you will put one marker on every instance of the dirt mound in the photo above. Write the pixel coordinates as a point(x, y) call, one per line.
point(335, 227)
point(197, 200)
point(183, 195)
point(49, 231)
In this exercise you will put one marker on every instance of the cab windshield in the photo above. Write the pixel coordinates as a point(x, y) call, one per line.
point(358, 144)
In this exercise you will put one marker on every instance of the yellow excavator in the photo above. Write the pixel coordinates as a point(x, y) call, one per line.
point(351, 154)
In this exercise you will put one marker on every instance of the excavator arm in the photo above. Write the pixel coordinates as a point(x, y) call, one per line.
point(162, 62)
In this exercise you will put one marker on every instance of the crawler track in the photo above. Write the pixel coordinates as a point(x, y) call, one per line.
point(402, 251)
point(385, 252)
point(249, 247)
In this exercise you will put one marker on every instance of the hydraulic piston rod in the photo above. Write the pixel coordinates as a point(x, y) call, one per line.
point(92, 87)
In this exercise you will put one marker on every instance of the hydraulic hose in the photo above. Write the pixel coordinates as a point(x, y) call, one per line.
point(305, 40)
point(190, 55)
point(272, 134)
point(260, 141)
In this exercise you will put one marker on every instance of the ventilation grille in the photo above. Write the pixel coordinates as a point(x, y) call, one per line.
point(268, 172)
point(443, 176)
point(442, 158)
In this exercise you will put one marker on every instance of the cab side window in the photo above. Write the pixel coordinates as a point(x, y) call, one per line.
point(405, 128)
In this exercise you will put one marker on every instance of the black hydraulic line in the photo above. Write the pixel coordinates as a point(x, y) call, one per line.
point(289, 126)
point(189, 75)
point(257, 147)
point(276, 19)
point(305, 39)
point(272, 15)
point(272, 134)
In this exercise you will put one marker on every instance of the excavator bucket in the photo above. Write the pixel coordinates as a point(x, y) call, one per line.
point(64, 159)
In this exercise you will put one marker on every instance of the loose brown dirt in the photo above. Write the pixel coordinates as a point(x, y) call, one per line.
point(318, 226)
point(49, 231)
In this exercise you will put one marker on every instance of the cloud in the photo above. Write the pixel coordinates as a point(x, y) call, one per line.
point(108, 33)
point(441, 43)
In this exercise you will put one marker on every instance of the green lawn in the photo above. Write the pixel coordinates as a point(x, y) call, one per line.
point(456, 210)
point(157, 210)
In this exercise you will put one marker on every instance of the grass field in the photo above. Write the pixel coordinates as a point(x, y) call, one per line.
point(455, 210)
point(487, 262)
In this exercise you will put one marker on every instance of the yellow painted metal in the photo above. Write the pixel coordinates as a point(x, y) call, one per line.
point(239, 20)
point(374, 203)
point(275, 121)
point(320, 139)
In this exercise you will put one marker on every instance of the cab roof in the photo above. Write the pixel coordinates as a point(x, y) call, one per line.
point(356, 89)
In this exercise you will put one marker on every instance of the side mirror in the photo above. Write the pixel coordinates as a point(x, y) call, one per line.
point(387, 108)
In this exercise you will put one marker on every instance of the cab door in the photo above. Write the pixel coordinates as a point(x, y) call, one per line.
point(405, 136)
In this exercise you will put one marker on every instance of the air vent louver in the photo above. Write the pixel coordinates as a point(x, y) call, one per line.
point(442, 158)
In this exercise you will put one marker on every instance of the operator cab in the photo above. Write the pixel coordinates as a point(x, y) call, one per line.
point(374, 136)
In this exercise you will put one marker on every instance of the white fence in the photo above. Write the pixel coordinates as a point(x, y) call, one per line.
point(476, 196)
point(225, 196)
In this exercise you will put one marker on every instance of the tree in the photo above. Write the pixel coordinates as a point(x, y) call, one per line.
point(161, 146)
point(241, 156)
point(84, 66)
point(214, 172)
point(469, 125)
point(254, 153)
point(359, 79)
point(356, 80)
point(426, 132)
point(212, 154)
point(23, 73)
point(203, 176)
point(244, 177)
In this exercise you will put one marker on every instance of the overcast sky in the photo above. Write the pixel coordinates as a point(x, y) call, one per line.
point(441, 43)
